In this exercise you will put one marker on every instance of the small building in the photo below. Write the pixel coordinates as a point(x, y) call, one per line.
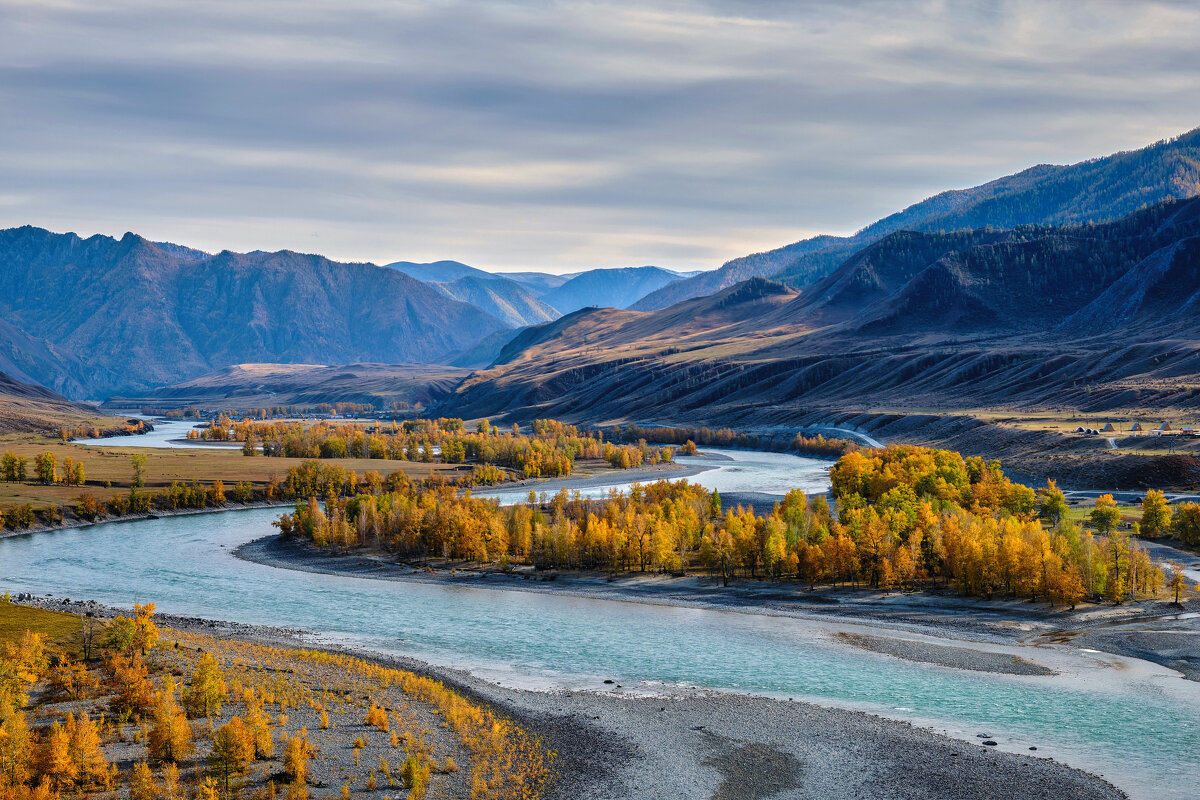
point(1108, 428)
point(1079, 429)
point(1164, 428)
point(1137, 428)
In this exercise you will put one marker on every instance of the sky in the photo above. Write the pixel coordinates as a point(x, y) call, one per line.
point(558, 136)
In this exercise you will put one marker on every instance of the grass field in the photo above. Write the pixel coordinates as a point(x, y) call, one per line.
point(65, 630)
point(112, 465)
point(19, 413)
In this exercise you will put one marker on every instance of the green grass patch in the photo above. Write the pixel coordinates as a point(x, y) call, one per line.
point(64, 630)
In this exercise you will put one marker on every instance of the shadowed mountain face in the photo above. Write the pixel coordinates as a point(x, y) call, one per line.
point(438, 271)
point(249, 386)
point(1030, 315)
point(508, 301)
point(1099, 190)
point(608, 288)
point(602, 288)
point(93, 316)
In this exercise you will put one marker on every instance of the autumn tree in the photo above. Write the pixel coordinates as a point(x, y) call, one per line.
point(141, 783)
point(91, 767)
point(170, 783)
point(1186, 523)
point(55, 762)
point(1052, 503)
point(1156, 514)
point(206, 691)
point(1105, 515)
point(72, 679)
point(1178, 580)
point(295, 764)
point(16, 750)
point(171, 735)
point(8, 467)
point(145, 631)
point(232, 749)
point(46, 466)
point(138, 461)
point(260, 731)
point(135, 693)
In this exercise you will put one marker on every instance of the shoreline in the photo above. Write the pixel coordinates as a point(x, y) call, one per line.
point(719, 745)
point(970, 623)
point(582, 481)
point(156, 514)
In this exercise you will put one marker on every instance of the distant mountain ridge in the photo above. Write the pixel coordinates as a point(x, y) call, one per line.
point(1098, 190)
point(1059, 315)
point(616, 287)
point(89, 317)
point(506, 300)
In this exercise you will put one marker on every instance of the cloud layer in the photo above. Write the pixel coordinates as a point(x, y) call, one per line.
point(558, 135)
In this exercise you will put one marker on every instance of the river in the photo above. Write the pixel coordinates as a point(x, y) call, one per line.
point(170, 433)
point(1135, 723)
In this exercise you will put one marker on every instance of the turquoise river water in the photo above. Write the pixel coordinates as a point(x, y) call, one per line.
point(1135, 723)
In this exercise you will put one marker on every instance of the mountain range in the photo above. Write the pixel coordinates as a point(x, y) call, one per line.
point(1089, 316)
point(530, 298)
point(92, 317)
point(1098, 190)
point(1030, 272)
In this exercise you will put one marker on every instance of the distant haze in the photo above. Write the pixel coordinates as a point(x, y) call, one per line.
point(558, 137)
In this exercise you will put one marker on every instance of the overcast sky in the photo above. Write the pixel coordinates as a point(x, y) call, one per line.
point(557, 136)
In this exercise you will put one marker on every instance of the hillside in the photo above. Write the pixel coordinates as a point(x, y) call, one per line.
point(138, 316)
point(1098, 190)
point(26, 407)
point(437, 271)
point(608, 288)
point(248, 386)
point(917, 321)
point(506, 300)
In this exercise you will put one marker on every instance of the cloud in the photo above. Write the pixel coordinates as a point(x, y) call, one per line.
point(558, 135)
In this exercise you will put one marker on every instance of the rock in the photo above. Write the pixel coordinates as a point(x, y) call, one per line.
point(989, 743)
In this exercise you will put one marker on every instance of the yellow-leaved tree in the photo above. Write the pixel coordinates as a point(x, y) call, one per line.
point(207, 691)
point(171, 734)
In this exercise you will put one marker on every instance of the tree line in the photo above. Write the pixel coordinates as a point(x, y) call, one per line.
point(903, 516)
point(690, 436)
point(551, 451)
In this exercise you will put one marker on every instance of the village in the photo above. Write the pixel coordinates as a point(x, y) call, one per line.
point(1137, 429)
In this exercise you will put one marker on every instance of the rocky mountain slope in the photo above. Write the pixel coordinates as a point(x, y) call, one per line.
point(249, 386)
point(1098, 190)
point(505, 300)
point(90, 317)
point(1086, 316)
point(608, 288)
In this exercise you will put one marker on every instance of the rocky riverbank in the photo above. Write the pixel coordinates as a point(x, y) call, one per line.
point(692, 743)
